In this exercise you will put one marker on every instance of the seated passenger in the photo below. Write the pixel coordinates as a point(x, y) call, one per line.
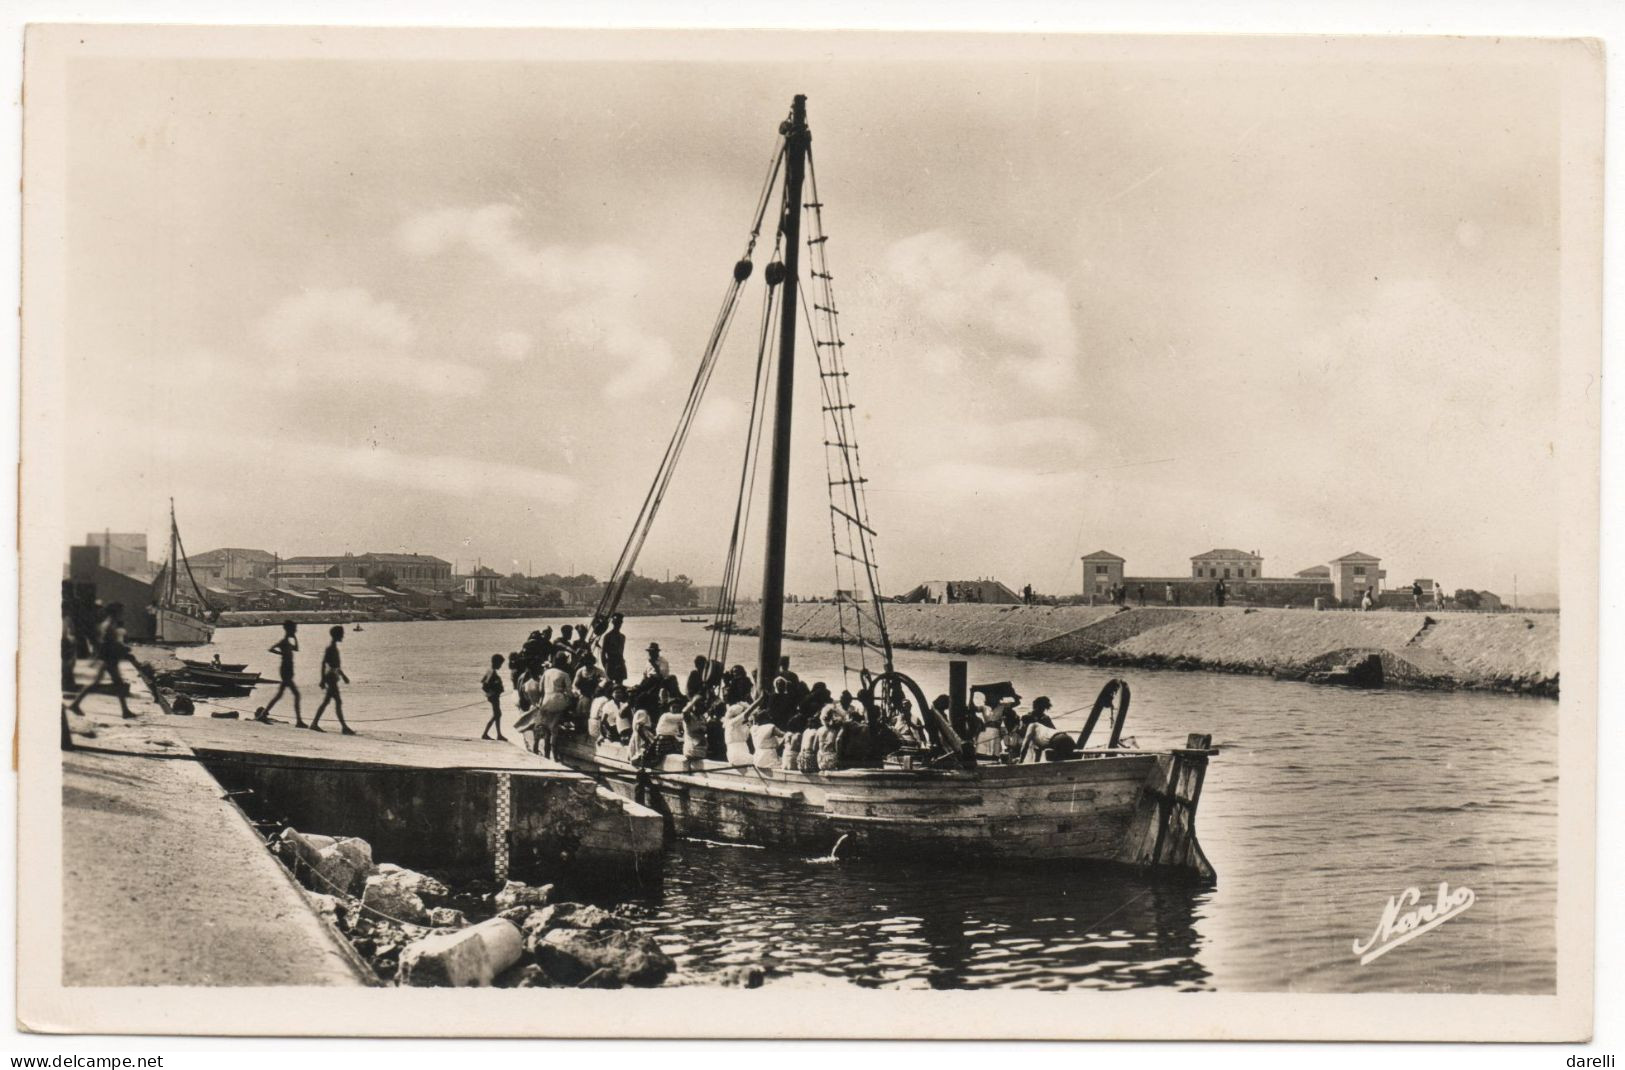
point(790, 756)
point(809, 745)
point(829, 741)
point(697, 677)
point(855, 750)
point(669, 730)
point(619, 713)
point(736, 733)
point(694, 730)
point(767, 739)
point(1045, 744)
point(781, 704)
point(1039, 713)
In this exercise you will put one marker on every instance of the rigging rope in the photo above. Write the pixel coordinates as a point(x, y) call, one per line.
point(721, 632)
point(843, 461)
point(622, 572)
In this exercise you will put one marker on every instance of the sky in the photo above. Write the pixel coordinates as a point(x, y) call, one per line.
point(453, 307)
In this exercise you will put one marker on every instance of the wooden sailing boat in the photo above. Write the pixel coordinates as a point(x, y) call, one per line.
point(180, 615)
point(1106, 805)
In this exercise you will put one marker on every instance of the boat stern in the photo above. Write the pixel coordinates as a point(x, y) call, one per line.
point(1162, 834)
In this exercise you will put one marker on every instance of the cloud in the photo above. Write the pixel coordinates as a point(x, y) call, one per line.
point(347, 336)
point(992, 302)
point(596, 286)
point(514, 345)
point(321, 465)
point(719, 416)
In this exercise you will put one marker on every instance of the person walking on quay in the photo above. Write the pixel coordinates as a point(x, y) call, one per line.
point(1168, 593)
point(613, 648)
point(1218, 594)
point(1142, 594)
point(285, 648)
point(111, 650)
point(491, 684)
point(1416, 595)
point(332, 675)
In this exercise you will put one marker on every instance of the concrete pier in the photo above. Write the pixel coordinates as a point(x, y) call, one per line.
point(164, 883)
point(429, 802)
point(168, 883)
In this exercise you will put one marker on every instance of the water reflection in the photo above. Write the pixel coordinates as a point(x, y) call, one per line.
point(917, 925)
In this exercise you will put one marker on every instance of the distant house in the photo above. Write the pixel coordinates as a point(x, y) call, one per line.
point(309, 573)
point(1101, 570)
point(990, 591)
point(1227, 565)
point(483, 585)
point(229, 563)
point(123, 552)
point(1354, 574)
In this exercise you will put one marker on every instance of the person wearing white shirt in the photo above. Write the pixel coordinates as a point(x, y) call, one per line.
point(768, 739)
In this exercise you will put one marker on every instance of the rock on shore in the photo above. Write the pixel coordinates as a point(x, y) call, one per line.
point(1500, 651)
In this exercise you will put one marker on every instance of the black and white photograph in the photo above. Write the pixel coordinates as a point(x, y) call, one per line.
point(1076, 536)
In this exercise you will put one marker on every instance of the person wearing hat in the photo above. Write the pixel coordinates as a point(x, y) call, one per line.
point(658, 668)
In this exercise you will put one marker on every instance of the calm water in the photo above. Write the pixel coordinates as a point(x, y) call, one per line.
point(1322, 805)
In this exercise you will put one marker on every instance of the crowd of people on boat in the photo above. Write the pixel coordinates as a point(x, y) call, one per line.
point(578, 682)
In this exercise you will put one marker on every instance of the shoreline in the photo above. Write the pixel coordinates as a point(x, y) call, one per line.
point(1511, 652)
point(260, 618)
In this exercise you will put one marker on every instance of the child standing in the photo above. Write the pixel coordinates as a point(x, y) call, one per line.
point(332, 675)
point(491, 684)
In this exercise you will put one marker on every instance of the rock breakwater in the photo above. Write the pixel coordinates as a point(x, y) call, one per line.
point(1514, 652)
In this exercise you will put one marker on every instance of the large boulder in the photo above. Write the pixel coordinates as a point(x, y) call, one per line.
point(574, 916)
point(519, 894)
point(386, 896)
point(524, 975)
point(324, 864)
point(468, 958)
point(610, 957)
point(328, 907)
point(421, 885)
point(447, 918)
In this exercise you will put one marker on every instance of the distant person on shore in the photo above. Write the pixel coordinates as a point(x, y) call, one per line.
point(1168, 593)
point(285, 648)
point(491, 684)
point(1416, 596)
point(111, 649)
point(1142, 594)
point(332, 675)
point(612, 645)
point(1218, 594)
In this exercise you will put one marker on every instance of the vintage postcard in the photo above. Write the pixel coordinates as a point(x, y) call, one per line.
point(616, 534)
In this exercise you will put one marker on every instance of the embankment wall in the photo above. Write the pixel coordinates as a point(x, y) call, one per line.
point(1502, 651)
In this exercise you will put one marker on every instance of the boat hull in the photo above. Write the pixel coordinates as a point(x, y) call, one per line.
point(172, 626)
point(1116, 807)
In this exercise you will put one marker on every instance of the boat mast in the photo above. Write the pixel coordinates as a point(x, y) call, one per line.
point(174, 561)
point(778, 502)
